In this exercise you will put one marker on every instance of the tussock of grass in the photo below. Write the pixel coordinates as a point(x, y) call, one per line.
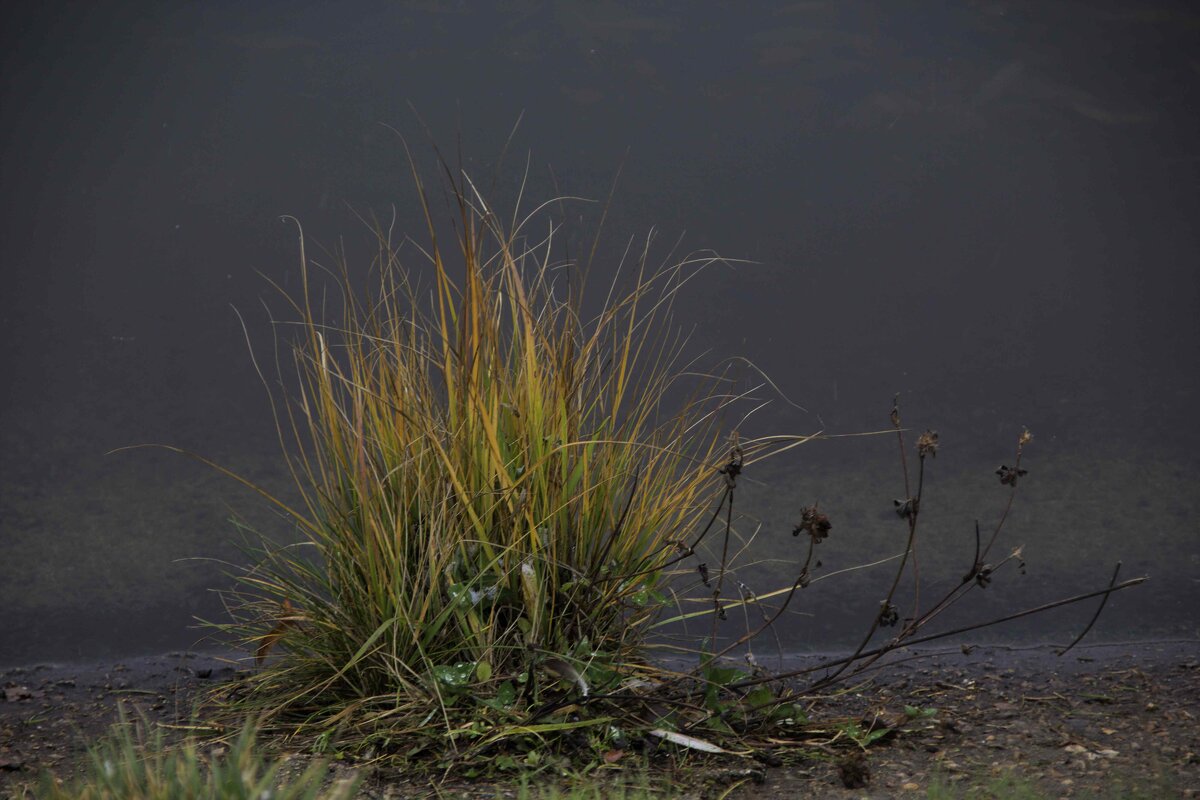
point(493, 490)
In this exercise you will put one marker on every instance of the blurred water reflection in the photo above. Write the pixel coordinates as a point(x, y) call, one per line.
point(988, 207)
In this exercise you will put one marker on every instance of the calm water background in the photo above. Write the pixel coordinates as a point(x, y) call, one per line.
point(988, 207)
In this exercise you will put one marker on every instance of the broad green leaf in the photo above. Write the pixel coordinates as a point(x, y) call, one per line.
point(789, 711)
point(760, 697)
point(913, 712)
point(723, 676)
point(456, 676)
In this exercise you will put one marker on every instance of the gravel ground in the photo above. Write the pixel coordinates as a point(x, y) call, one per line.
point(1107, 721)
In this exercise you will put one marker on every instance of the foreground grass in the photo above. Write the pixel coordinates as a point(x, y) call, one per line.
point(132, 764)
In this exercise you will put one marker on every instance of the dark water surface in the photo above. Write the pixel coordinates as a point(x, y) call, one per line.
point(988, 207)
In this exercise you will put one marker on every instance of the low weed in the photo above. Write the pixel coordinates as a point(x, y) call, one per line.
point(134, 764)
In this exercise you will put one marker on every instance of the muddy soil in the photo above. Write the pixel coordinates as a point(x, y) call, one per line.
point(50, 713)
point(1110, 721)
point(1106, 721)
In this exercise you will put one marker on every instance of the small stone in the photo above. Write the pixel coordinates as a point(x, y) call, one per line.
point(853, 771)
point(11, 764)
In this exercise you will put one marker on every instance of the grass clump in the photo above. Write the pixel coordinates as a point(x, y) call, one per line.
point(132, 764)
point(494, 491)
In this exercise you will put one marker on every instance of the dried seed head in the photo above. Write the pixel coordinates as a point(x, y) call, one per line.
point(889, 615)
point(682, 548)
point(984, 576)
point(927, 444)
point(906, 509)
point(1026, 438)
point(1018, 554)
point(737, 458)
point(814, 523)
point(1010, 475)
